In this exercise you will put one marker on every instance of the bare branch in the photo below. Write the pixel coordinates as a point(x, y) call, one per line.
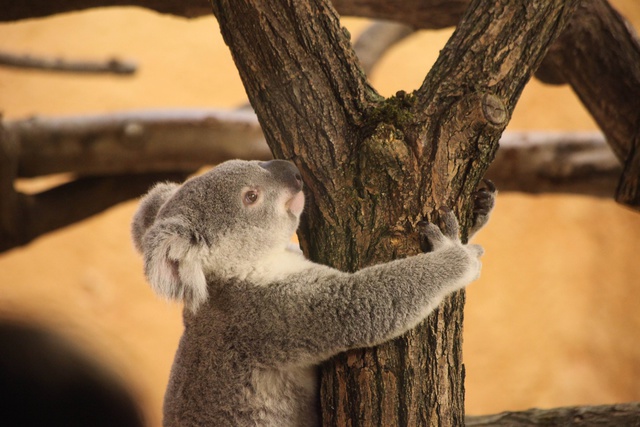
point(555, 162)
point(622, 414)
point(376, 40)
point(419, 14)
point(10, 214)
point(25, 9)
point(314, 81)
point(25, 217)
point(529, 162)
point(35, 215)
point(136, 142)
point(372, 44)
point(628, 191)
point(416, 13)
point(467, 98)
point(111, 66)
point(121, 145)
point(598, 55)
point(177, 140)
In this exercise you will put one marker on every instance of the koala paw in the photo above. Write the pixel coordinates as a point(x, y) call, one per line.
point(435, 238)
point(432, 238)
point(484, 199)
point(448, 237)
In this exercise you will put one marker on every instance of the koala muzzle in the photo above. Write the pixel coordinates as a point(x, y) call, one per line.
point(285, 172)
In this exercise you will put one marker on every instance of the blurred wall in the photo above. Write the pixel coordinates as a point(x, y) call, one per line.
point(553, 320)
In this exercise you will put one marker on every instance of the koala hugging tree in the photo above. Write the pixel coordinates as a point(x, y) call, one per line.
point(374, 168)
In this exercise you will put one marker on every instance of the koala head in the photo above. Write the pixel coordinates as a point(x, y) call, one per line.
point(219, 223)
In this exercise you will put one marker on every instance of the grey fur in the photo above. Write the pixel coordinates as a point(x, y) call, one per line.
point(259, 317)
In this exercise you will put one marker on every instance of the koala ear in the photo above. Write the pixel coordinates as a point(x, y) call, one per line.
point(148, 209)
point(173, 262)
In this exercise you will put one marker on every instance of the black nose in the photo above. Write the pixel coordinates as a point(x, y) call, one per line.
point(284, 171)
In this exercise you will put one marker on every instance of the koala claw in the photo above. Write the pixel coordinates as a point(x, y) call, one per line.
point(484, 200)
point(434, 237)
point(431, 236)
point(451, 228)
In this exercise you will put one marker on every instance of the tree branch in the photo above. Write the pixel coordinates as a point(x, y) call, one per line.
point(555, 162)
point(532, 162)
point(416, 13)
point(372, 44)
point(111, 66)
point(535, 162)
point(598, 42)
point(26, 9)
point(628, 190)
point(135, 142)
point(25, 217)
point(598, 55)
point(419, 14)
point(469, 95)
point(314, 82)
point(376, 40)
point(10, 206)
point(38, 214)
point(622, 414)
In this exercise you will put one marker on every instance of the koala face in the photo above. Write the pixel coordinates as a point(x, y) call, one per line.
point(219, 223)
point(252, 204)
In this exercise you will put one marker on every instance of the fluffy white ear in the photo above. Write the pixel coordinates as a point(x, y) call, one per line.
point(173, 263)
point(149, 206)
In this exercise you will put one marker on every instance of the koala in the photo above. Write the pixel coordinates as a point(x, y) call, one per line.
point(258, 316)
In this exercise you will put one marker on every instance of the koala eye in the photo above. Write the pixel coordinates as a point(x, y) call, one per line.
point(250, 197)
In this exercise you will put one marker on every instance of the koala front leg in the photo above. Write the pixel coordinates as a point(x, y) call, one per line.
point(320, 312)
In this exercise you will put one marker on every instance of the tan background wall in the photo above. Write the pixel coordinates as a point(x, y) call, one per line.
point(554, 319)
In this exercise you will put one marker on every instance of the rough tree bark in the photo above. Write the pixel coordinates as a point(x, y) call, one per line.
point(623, 414)
point(374, 167)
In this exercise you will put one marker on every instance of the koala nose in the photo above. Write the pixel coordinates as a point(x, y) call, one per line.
point(284, 171)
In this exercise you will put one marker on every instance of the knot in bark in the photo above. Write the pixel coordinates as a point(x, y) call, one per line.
point(494, 109)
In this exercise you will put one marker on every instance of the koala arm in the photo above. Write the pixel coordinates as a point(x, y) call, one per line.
point(319, 312)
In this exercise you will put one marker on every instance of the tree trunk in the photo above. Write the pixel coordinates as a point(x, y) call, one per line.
point(374, 167)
